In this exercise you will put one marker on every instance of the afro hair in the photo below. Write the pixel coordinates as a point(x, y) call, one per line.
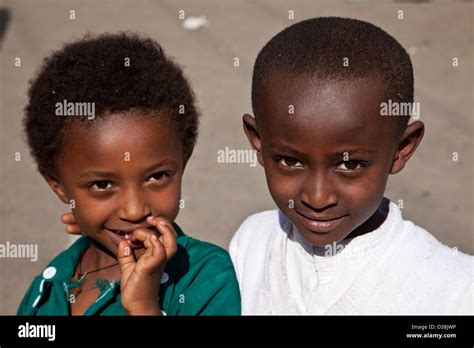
point(117, 72)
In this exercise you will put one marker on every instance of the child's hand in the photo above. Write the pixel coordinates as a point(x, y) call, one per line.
point(140, 280)
point(70, 221)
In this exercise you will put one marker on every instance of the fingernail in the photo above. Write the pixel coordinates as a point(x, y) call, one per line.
point(162, 223)
point(154, 238)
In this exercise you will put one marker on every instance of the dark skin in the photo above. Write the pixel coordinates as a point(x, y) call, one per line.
point(124, 173)
point(327, 164)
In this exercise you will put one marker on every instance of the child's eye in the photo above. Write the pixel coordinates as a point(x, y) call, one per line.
point(290, 162)
point(350, 166)
point(158, 176)
point(101, 185)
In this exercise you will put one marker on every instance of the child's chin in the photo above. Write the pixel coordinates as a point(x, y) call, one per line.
point(321, 240)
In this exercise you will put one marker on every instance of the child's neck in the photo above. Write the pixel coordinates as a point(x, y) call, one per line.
point(97, 258)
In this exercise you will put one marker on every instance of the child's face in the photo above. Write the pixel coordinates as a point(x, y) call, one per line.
point(327, 163)
point(119, 171)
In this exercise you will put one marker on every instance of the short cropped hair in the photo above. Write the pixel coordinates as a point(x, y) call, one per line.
point(319, 47)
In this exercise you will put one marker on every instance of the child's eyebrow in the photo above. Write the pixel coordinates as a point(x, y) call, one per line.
point(286, 149)
point(336, 154)
point(355, 150)
point(94, 173)
point(158, 165)
point(347, 153)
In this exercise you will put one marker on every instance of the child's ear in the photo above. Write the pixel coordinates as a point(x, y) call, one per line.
point(409, 141)
point(57, 187)
point(251, 130)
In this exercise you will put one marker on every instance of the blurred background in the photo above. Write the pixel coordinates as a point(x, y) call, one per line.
point(437, 192)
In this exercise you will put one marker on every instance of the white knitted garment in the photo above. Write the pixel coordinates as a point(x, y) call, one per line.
point(397, 269)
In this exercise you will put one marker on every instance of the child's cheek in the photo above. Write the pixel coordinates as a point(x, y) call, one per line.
point(283, 191)
point(168, 203)
point(90, 217)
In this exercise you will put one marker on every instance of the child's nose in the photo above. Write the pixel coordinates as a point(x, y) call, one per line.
point(132, 205)
point(319, 191)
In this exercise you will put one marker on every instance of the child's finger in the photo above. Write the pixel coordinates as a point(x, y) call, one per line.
point(73, 229)
point(155, 254)
point(169, 237)
point(142, 235)
point(154, 220)
point(158, 250)
point(125, 257)
point(68, 219)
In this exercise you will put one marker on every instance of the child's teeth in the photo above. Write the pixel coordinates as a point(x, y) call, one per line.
point(127, 235)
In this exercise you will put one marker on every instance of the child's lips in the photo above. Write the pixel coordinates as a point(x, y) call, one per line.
point(118, 235)
point(320, 226)
point(129, 230)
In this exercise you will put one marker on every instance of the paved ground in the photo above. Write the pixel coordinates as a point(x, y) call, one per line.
point(437, 192)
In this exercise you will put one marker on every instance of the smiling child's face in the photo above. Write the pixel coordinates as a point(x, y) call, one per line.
point(119, 171)
point(327, 163)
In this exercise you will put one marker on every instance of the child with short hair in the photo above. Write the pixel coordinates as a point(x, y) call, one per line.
point(336, 245)
point(106, 126)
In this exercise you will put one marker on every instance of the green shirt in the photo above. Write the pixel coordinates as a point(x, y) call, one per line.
point(198, 280)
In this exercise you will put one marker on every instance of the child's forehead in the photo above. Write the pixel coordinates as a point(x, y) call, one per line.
point(119, 144)
point(356, 100)
point(132, 119)
point(124, 130)
point(287, 86)
point(324, 110)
